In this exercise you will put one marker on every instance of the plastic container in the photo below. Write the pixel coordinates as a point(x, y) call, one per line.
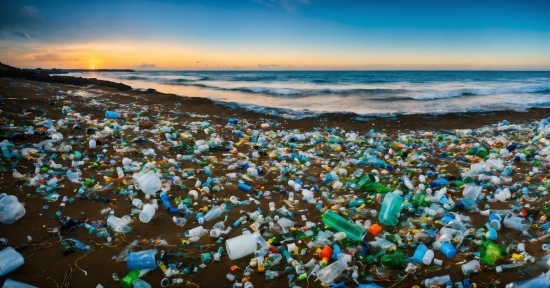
point(338, 223)
point(394, 260)
point(10, 260)
point(391, 207)
point(436, 281)
point(244, 187)
point(490, 252)
point(471, 267)
point(10, 209)
point(213, 213)
point(16, 284)
point(329, 273)
point(419, 253)
point(111, 115)
point(148, 182)
point(128, 280)
point(138, 283)
point(118, 225)
point(540, 281)
point(240, 246)
point(197, 231)
point(448, 250)
point(147, 213)
point(517, 223)
point(141, 260)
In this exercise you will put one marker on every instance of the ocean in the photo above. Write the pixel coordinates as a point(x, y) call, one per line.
point(299, 94)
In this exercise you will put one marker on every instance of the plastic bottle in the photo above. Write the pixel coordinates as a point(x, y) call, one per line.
point(391, 207)
point(10, 260)
point(436, 281)
point(330, 272)
point(394, 260)
point(540, 281)
point(338, 223)
point(129, 279)
point(92, 144)
point(213, 213)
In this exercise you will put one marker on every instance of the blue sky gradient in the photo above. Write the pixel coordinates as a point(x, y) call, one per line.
point(277, 34)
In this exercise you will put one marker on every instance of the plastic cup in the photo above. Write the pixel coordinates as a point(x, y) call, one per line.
point(448, 250)
point(10, 260)
point(142, 260)
point(147, 213)
point(240, 246)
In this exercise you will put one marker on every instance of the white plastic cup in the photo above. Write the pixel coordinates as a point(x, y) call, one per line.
point(521, 247)
point(240, 246)
point(92, 144)
point(147, 213)
point(438, 262)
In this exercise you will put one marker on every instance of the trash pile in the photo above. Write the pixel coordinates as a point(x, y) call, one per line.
point(389, 207)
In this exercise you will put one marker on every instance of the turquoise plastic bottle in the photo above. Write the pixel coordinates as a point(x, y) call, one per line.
point(391, 207)
point(340, 224)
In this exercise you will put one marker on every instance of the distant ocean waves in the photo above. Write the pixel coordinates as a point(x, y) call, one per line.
point(362, 92)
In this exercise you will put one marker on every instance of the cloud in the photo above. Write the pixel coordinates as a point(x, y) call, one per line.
point(290, 6)
point(198, 62)
point(21, 35)
point(267, 65)
point(145, 65)
point(53, 57)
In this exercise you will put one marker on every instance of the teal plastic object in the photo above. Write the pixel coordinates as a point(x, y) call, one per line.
point(340, 224)
point(391, 207)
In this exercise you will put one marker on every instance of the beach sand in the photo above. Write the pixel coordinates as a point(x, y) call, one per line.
point(45, 263)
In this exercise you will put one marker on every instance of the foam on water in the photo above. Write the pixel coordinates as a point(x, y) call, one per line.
point(290, 93)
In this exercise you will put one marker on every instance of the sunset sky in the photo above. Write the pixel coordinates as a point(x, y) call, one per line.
point(276, 34)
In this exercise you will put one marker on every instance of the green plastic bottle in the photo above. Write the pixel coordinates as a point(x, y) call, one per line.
point(381, 188)
point(391, 207)
point(340, 224)
point(490, 252)
point(393, 260)
point(482, 152)
point(128, 280)
point(366, 181)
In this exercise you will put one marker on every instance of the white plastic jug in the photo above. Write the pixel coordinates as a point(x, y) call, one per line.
point(149, 183)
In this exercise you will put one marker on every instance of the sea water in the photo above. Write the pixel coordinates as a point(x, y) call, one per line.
point(298, 94)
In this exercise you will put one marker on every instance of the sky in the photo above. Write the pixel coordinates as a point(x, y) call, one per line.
point(277, 34)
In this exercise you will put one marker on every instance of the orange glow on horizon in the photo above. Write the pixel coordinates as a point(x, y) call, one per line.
point(167, 56)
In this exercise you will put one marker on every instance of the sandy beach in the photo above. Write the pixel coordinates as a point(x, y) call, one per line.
point(24, 103)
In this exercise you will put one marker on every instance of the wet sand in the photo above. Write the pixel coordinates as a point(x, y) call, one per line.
point(47, 266)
